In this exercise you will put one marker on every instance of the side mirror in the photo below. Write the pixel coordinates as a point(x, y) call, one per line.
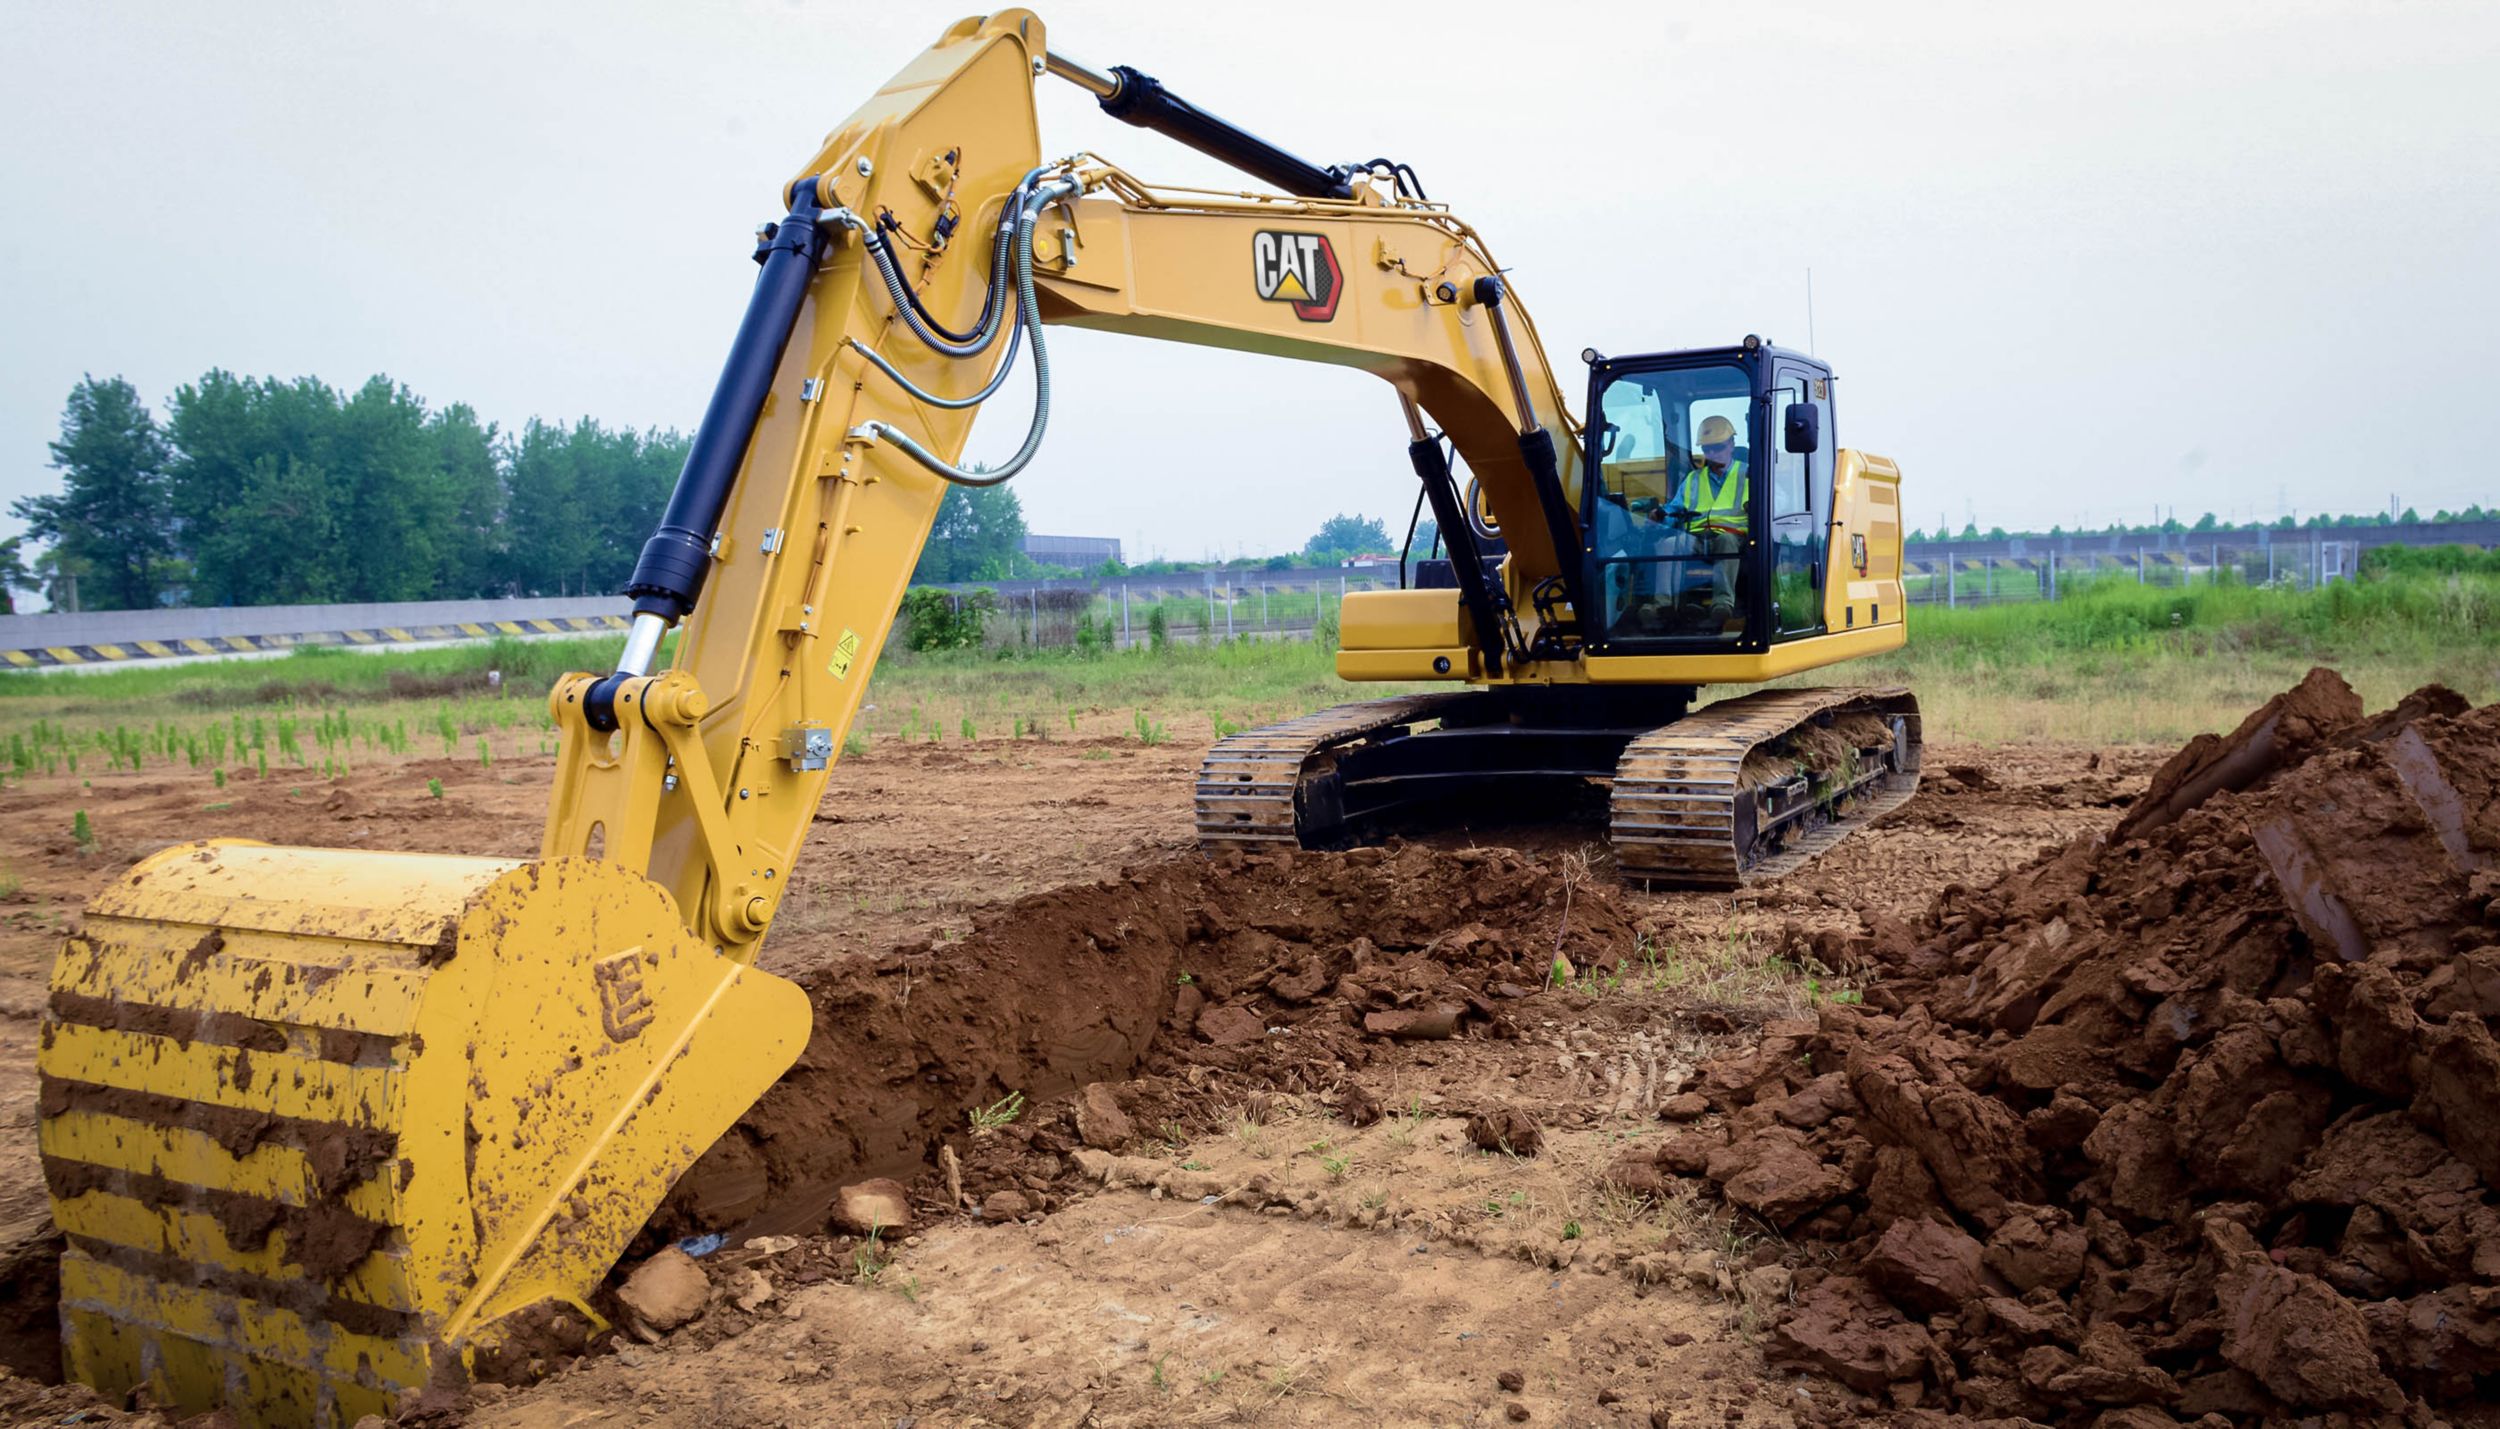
point(1804, 425)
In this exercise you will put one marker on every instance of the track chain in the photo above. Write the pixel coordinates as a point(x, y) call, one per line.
point(1675, 801)
point(1246, 786)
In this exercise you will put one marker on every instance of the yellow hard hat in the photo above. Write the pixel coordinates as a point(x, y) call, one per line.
point(1715, 430)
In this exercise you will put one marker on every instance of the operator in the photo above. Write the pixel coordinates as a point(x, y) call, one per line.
point(1713, 502)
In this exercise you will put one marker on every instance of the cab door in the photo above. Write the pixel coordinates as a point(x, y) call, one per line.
point(1801, 501)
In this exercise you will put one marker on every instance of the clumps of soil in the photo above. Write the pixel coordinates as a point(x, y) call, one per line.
point(1194, 985)
point(2202, 1118)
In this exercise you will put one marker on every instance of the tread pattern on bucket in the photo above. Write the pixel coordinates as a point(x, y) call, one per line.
point(1675, 792)
point(1246, 785)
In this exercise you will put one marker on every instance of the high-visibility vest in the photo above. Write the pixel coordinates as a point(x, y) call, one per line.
point(1722, 508)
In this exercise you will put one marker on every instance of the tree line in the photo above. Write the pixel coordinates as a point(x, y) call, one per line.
point(257, 491)
point(264, 491)
point(2210, 523)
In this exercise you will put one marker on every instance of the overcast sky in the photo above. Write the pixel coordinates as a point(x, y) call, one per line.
point(2070, 263)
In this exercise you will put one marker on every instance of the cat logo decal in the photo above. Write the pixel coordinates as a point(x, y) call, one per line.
point(1297, 268)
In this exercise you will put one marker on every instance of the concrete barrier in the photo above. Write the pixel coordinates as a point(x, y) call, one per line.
point(104, 636)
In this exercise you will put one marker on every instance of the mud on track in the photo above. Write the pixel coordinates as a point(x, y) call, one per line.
point(1081, 984)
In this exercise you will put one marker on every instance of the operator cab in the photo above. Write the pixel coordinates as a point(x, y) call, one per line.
point(1711, 499)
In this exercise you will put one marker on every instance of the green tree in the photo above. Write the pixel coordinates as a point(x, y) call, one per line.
point(390, 492)
point(978, 536)
point(469, 557)
point(262, 516)
point(13, 573)
point(554, 480)
point(1342, 535)
point(111, 522)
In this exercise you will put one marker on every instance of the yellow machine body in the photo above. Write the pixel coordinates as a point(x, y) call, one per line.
point(325, 1127)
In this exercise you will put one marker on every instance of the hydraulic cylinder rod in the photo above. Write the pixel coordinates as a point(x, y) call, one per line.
point(1475, 591)
point(1140, 99)
point(674, 562)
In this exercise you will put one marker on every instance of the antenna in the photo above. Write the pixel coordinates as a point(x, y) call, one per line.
point(1810, 347)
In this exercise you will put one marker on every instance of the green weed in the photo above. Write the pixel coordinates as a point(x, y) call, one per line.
point(998, 1113)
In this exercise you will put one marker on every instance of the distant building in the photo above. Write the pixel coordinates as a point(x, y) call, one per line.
point(1372, 561)
point(1077, 553)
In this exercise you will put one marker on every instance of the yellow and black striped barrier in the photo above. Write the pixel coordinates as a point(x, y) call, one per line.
point(44, 655)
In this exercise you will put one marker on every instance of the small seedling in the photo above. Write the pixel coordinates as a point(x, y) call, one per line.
point(221, 778)
point(434, 787)
point(1160, 1386)
point(1571, 1230)
point(970, 733)
point(1335, 1166)
point(1194, 1164)
point(485, 756)
point(81, 830)
point(868, 1261)
point(998, 1113)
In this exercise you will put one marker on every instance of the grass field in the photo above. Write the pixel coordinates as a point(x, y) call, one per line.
point(2112, 663)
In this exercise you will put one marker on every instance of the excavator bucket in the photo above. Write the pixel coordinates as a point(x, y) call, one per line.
point(326, 1127)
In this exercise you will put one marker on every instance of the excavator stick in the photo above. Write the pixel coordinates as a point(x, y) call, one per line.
point(325, 1126)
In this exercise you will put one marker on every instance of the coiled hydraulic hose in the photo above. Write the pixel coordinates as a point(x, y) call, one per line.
point(999, 284)
point(1024, 311)
point(907, 303)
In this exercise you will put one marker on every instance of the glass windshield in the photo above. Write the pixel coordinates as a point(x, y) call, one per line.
point(1669, 525)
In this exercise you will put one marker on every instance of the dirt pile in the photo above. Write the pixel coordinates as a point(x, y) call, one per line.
point(2202, 1118)
point(1207, 979)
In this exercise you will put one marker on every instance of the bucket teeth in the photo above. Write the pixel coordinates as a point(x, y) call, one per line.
point(317, 1124)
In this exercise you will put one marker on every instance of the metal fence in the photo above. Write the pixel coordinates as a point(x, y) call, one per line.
point(1989, 576)
point(1117, 614)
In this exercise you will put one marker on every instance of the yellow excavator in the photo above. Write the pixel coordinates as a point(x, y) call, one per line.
point(325, 1128)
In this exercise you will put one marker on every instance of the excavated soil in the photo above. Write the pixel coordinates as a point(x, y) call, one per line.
point(2199, 1118)
point(1301, 1140)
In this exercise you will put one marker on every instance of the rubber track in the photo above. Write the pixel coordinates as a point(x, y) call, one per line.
point(1674, 800)
point(1246, 786)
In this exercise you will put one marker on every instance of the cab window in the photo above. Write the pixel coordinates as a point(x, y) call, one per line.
point(1668, 526)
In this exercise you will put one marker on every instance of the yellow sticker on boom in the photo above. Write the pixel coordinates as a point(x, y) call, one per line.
point(845, 650)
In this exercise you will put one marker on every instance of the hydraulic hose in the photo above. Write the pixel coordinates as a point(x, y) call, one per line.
point(989, 299)
point(907, 302)
point(1006, 364)
point(909, 310)
point(1025, 311)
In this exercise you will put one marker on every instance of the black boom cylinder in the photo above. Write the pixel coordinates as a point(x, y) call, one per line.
point(678, 556)
point(1142, 100)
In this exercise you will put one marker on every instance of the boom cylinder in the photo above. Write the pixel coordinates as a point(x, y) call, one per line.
point(677, 558)
point(670, 573)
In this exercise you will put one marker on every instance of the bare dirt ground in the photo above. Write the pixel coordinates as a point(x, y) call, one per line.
point(1294, 1228)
